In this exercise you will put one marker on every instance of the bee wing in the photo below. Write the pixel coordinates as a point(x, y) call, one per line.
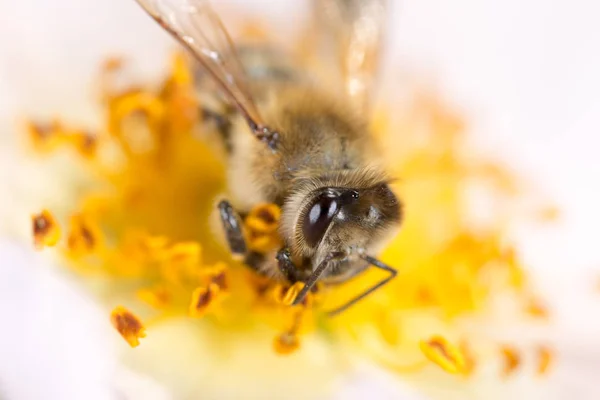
point(353, 30)
point(199, 29)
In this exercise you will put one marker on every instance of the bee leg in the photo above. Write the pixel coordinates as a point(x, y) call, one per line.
point(231, 220)
point(375, 263)
point(233, 229)
point(286, 266)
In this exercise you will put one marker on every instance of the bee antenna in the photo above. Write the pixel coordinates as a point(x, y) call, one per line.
point(316, 274)
point(375, 263)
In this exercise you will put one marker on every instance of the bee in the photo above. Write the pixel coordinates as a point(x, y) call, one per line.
point(299, 144)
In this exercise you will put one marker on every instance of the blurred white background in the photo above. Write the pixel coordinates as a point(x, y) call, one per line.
point(525, 73)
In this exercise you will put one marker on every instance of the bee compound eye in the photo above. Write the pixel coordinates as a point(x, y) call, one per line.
point(319, 216)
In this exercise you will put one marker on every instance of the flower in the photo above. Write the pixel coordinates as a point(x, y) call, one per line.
point(144, 230)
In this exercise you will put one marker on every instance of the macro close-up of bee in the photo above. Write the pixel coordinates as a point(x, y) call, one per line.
point(298, 199)
point(296, 142)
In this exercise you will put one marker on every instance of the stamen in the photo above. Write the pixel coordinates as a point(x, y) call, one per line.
point(158, 297)
point(535, 308)
point(84, 236)
point(128, 325)
point(46, 231)
point(286, 343)
point(46, 136)
point(262, 223)
point(85, 142)
point(511, 358)
point(545, 360)
point(441, 352)
point(202, 299)
point(290, 294)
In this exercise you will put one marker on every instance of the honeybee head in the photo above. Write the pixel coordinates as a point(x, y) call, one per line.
point(342, 218)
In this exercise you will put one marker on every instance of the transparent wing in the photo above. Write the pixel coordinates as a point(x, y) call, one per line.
point(198, 28)
point(352, 31)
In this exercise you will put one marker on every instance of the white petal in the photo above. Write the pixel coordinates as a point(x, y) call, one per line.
point(53, 342)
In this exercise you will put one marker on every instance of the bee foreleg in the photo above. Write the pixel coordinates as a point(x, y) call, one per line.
point(376, 263)
point(233, 229)
point(286, 266)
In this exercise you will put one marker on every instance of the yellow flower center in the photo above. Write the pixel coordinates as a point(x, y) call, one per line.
point(145, 227)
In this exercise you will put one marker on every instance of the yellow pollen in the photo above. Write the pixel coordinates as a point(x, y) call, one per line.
point(449, 357)
point(85, 142)
point(292, 293)
point(261, 224)
point(218, 275)
point(46, 231)
point(536, 309)
point(467, 353)
point(158, 297)
point(83, 237)
point(202, 299)
point(286, 343)
point(46, 136)
point(511, 360)
point(545, 359)
point(128, 325)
